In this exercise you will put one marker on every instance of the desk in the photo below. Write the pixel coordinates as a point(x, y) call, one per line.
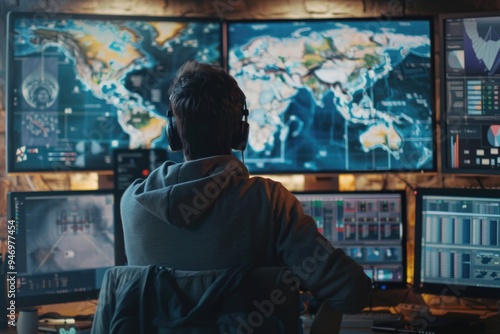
point(342, 331)
point(13, 331)
point(492, 326)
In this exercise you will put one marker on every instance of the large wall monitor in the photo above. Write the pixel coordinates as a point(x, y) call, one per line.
point(470, 81)
point(81, 85)
point(65, 241)
point(369, 226)
point(336, 95)
point(457, 246)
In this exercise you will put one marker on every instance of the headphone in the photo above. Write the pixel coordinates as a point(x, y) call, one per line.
point(172, 134)
point(239, 141)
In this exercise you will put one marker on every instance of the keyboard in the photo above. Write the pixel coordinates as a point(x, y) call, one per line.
point(366, 319)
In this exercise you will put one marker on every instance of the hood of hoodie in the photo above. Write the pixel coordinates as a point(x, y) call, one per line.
point(180, 193)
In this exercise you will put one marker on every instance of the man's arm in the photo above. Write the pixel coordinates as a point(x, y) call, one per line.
point(327, 272)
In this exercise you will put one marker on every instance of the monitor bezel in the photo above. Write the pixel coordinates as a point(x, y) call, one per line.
point(444, 142)
point(380, 20)
point(404, 235)
point(444, 289)
point(57, 298)
point(12, 16)
point(144, 157)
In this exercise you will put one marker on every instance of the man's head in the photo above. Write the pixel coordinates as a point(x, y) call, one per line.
point(207, 105)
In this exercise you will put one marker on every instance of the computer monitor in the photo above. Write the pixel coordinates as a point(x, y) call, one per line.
point(369, 226)
point(470, 81)
point(336, 95)
point(64, 242)
point(79, 86)
point(129, 165)
point(457, 242)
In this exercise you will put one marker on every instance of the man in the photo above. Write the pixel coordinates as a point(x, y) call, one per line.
point(206, 213)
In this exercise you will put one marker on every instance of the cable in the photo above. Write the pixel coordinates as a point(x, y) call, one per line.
point(410, 287)
point(385, 181)
point(481, 185)
point(30, 182)
point(473, 301)
point(408, 184)
point(45, 182)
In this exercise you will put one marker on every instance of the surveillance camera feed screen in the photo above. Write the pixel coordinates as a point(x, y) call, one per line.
point(65, 241)
point(336, 95)
point(80, 86)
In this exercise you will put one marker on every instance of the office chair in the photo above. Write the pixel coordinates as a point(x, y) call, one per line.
point(158, 300)
point(326, 321)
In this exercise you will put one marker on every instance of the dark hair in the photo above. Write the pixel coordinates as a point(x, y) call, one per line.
point(207, 105)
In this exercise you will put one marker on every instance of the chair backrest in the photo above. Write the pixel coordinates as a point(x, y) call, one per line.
point(326, 321)
point(167, 301)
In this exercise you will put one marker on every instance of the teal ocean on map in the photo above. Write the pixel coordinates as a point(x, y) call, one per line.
point(336, 95)
point(84, 85)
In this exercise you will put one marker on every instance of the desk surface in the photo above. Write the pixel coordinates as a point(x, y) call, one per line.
point(492, 326)
point(342, 331)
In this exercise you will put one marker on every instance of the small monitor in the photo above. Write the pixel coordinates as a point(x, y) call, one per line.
point(336, 95)
point(80, 85)
point(457, 242)
point(369, 226)
point(65, 241)
point(129, 165)
point(470, 100)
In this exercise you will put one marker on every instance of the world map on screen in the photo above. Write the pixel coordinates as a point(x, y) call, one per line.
point(85, 86)
point(336, 96)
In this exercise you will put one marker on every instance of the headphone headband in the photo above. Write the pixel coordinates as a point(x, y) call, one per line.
point(240, 137)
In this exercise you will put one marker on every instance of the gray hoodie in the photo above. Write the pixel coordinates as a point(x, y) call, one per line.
point(208, 214)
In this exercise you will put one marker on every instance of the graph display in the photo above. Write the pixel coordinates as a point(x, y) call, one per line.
point(458, 238)
point(471, 105)
point(336, 95)
point(369, 227)
point(80, 86)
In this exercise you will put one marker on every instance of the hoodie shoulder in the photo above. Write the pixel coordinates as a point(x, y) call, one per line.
point(181, 193)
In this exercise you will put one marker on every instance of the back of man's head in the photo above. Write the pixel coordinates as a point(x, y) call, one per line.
point(207, 105)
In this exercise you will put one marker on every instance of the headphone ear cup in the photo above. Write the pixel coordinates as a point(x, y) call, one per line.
point(240, 138)
point(172, 134)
